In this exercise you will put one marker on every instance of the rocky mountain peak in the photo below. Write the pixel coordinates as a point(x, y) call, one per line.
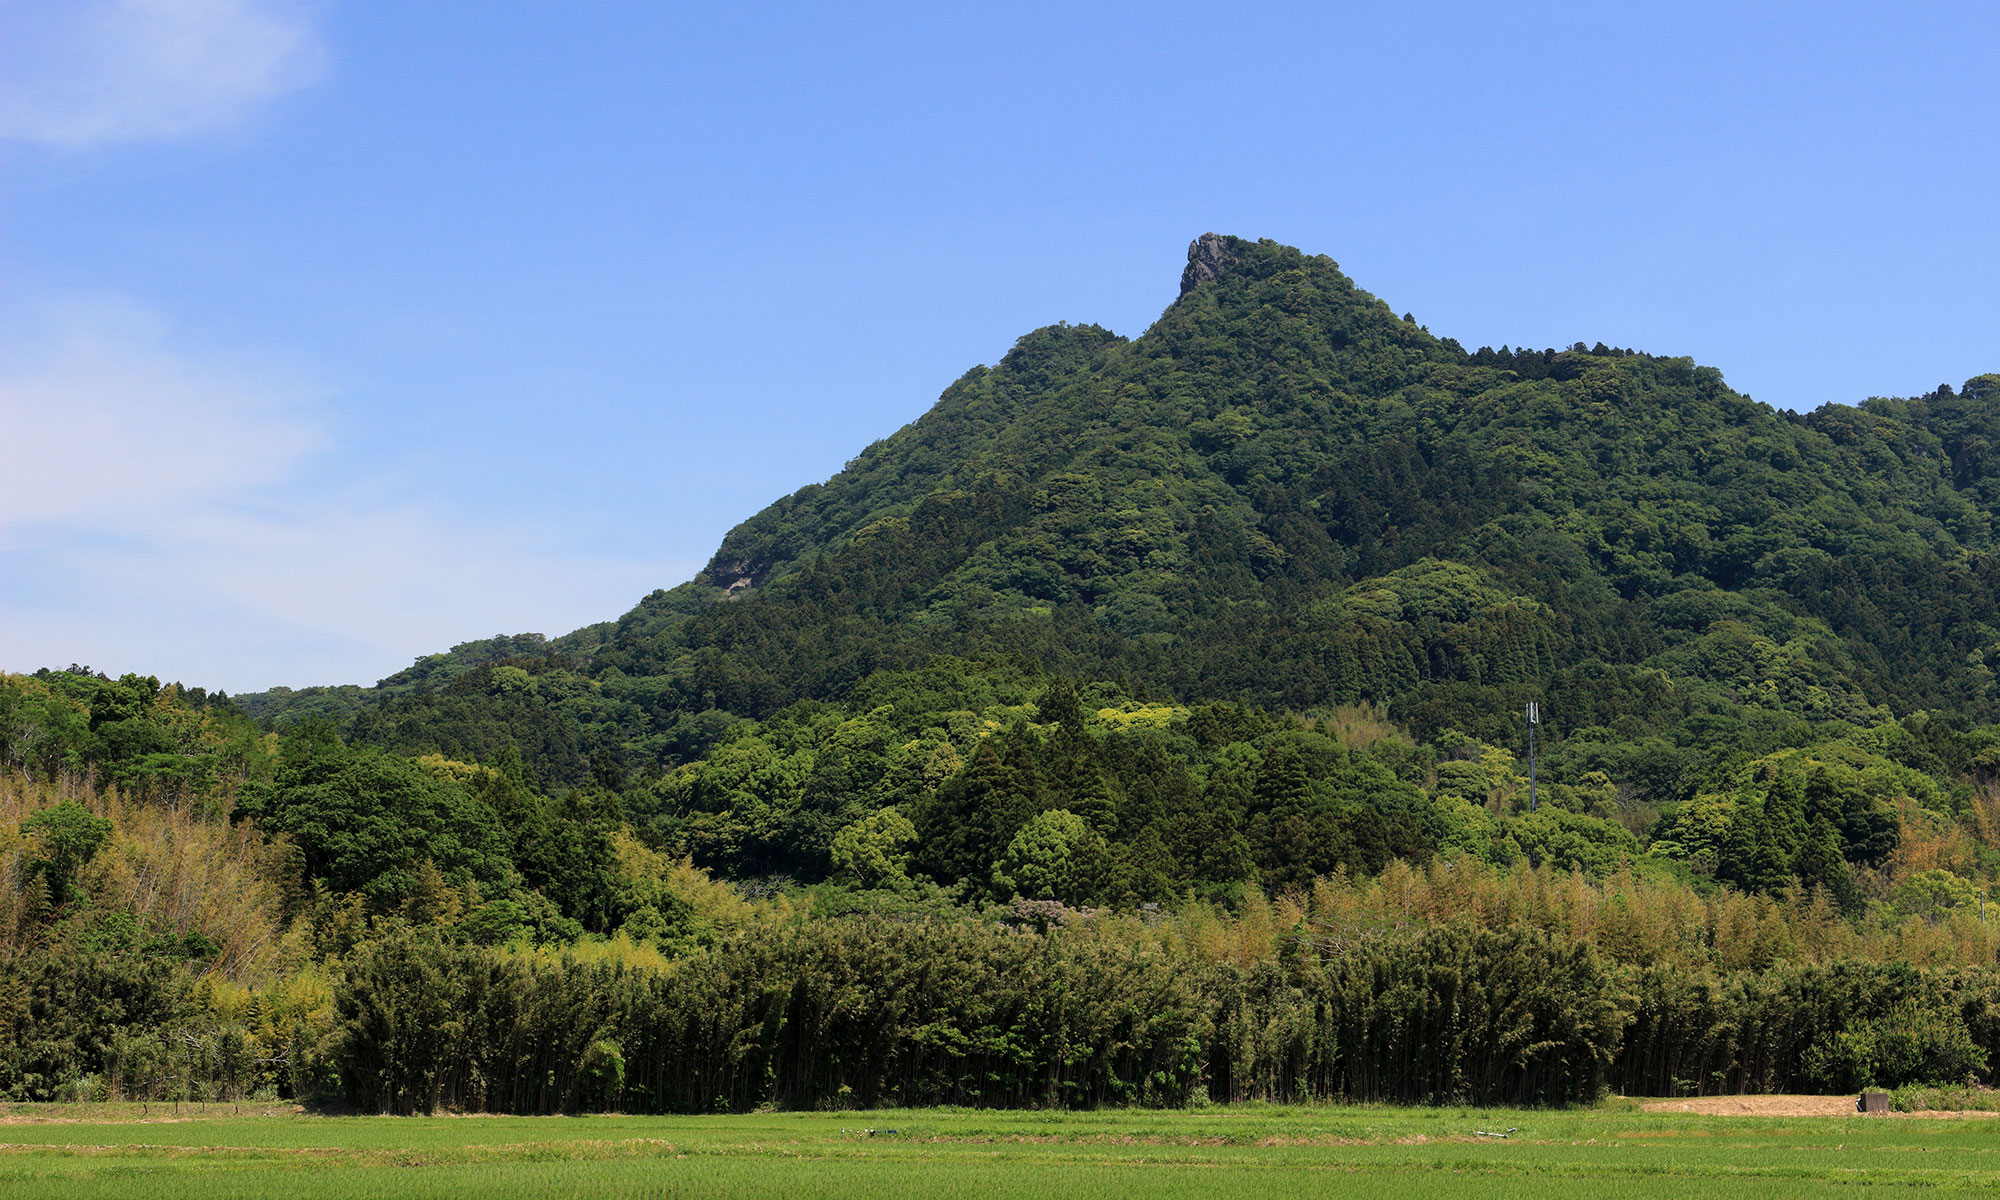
point(1206, 255)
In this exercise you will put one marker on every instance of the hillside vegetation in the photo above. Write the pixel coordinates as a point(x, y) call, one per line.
point(1141, 723)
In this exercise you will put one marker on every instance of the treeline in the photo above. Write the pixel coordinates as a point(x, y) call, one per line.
point(866, 1011)
point(331, 820)
point(976, 882)
point(993, 780)
point(996, 780)
point(184, 960)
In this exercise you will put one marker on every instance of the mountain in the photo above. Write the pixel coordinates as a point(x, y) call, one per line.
point(1180, 676)
point(1285, 494)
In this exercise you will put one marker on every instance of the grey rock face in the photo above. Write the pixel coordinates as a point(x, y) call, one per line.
point(1206, 254)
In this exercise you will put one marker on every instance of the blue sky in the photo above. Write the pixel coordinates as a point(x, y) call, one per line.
point(336, 333)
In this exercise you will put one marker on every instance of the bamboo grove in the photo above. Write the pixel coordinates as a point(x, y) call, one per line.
point(1026, 1008)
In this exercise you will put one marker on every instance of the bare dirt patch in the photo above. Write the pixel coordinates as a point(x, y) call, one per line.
point(1757, 1106)
point(156, 1113)
point(1783, 1106)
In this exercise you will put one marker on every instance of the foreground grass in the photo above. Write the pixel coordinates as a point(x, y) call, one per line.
point(1432, 1154)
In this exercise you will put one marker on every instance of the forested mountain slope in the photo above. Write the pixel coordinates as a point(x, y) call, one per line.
point(1284, 494)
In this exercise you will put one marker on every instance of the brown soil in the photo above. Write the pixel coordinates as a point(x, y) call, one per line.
point(1758, 1106)
point(156, 1113)
point(1780, 1106)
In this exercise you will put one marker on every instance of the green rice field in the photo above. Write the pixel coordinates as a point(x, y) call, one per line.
point(1213, 1154)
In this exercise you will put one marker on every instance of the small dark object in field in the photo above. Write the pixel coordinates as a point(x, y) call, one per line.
point(1872, 1102)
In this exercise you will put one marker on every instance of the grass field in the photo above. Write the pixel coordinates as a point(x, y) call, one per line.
point(1216, 1154)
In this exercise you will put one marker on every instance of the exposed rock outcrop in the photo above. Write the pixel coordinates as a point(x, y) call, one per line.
point(734, 576)
point(1206, 256)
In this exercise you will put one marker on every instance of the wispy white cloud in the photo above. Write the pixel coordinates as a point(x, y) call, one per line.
point(91, 72)
point(105, 424)
point(160, 514)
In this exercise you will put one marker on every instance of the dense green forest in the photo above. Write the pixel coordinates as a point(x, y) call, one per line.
point(1143, 723)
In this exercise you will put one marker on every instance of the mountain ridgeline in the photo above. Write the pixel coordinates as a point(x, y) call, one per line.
point(1285, 495)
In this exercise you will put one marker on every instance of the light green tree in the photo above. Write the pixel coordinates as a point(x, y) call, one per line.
point(1055, 856)
point(1932, 895)
point(876, 849)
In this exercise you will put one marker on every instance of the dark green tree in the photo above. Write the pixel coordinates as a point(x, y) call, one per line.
point(65, 837)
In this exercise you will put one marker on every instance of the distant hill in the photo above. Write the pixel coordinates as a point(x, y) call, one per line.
point(1283, 493)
